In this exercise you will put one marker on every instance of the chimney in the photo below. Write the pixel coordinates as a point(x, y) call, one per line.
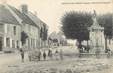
point(24, 8)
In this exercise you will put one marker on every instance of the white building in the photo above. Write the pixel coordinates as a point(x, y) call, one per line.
point(10, 26)
point(13, 21)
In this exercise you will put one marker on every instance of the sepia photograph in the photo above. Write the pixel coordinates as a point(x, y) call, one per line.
point(56, 36)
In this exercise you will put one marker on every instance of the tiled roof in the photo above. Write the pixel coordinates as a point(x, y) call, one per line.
point(23, 16)
point(37, 21)
point(34, 19)
point(6, 16)
point(11, 15)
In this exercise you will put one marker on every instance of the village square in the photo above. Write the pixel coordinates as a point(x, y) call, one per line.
point(83, 42)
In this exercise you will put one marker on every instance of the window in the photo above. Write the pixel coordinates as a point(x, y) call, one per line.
point(33, 43)
point(14, 29)
point(13, 44)
point(37, 44)
point(7, 42)
point(17, 42)
point(1, 28)
point(29, 43)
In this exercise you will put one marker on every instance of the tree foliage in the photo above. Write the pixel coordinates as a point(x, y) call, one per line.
point(75, 25)
point(44, 33)
point(24, 36)
point(106, 21)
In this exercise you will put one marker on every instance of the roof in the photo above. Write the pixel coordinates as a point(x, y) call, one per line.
point(11, 15)
point(6, 16)
point(28, 18)
point(23, 16)
point(34, 18)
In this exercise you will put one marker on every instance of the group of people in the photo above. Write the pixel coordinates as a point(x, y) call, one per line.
point(43, 55)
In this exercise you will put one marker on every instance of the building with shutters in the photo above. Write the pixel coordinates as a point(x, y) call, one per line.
point(13, 21)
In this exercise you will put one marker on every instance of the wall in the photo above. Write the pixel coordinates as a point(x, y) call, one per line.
point(12, 36)
point(33, 36)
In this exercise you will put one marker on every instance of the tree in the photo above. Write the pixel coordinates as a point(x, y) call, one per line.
point(106, 21)
point(24, 36)
point(75, 25)
point(41, 32)
point(45, 34)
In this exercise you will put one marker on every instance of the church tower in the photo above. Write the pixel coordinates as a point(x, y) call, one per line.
point(96, 34)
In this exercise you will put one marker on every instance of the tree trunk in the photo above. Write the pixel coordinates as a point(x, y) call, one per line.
point(80, 47)
point(87, 43)
point(88, 48)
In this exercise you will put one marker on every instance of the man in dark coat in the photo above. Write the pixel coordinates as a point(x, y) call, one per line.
point(22, 54)
point(44, 55)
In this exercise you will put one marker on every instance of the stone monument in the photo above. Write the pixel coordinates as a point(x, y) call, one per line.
point(96, 35)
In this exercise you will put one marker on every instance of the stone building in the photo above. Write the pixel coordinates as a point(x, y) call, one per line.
point(10, 26)
point(97, 39)
point(13, 21)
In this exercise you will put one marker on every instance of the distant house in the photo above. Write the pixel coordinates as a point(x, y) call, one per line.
point(52, 39)
point(57, 39)
point(13, 21)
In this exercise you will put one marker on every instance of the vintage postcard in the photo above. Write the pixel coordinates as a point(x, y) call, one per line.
point(56, 36)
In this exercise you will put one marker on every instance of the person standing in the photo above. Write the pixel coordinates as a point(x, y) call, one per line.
point(56, 54)
point(44, 55)
point(39, 55)
point(50, 53)
point(22, 54)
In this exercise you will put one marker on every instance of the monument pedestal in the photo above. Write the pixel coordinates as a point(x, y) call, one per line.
point(96, 35)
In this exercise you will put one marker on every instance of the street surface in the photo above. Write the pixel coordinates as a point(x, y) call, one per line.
point(10, 59)
point(11, 63)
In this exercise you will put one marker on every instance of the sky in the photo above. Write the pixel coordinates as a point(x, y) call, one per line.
point(51, 11)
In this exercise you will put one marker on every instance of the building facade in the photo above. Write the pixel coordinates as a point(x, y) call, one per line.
point(9, 29)
point(13, 21)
